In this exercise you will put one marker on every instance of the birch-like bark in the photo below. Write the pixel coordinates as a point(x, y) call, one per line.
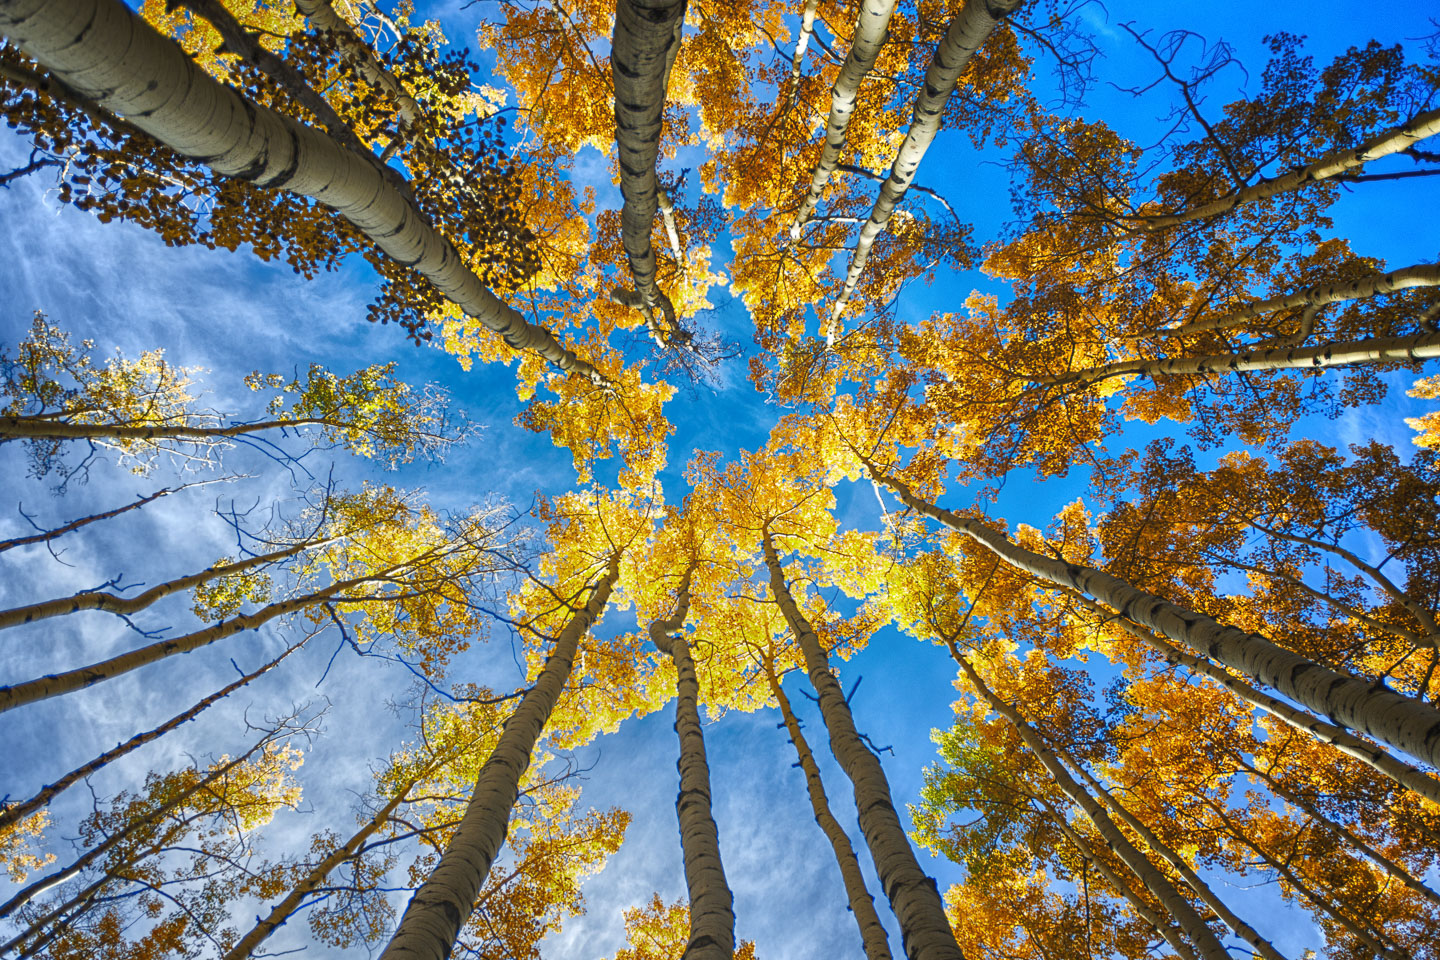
point(667, 216)
point(1403, 722)
point(46, 536)
point(110, 55)
point(645, 42)
point(970, 28)
point(1332, 164)
point(712, 908)
point(15, 812)
point(1241, 929)
point(58, 684)
point(924, 929)
point(1162, 925)
point(1408, 776)
point(358, 54)
point(1176, 905)
point(797, 62)
point(862, 905)
point(125, 606)
point(1322, 294)
point(1392, 869)
point(871, 23)
point(444, 902)
point(292, 901)
point(1411, 349)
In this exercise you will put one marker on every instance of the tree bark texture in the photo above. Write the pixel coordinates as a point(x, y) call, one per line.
point(712, 908)
point(1322, 294)
point(862, 905)
point(1196, 930)
point(871, 23)
point(970, 28)
point(125, 606)
point(109, 54)
point(16, 812)
point(1411, 349)
point(645, 42)
point(1403, 722)
point(924, 928)
point(443, 903)
point(1332, 164)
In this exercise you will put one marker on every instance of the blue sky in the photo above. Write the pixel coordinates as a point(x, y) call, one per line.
point(230, 314)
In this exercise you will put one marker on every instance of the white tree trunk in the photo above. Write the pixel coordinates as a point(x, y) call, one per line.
point(646, 40)
point(862, 905)
point(1403, 722)
point(712, 908)
point(443, 903)
point(970, 28)
point(108, 53)
point(924, 928)
point(1197, 931)
point(1322, 294)
point(1332, 164)
point(871, 23)
point(1411, 349)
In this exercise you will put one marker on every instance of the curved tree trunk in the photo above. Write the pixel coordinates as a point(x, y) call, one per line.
point(712, 909)
point(644, 45)
point(871, 23)
point(1403, 722)
point(1322, 294)
point(1419, 346)
point(109, 54)
point(970, 28)
point(1407, 776)
point(862, 905)
point(438, 910)
point(1332, 164)
point(1197, 931)
point(924, 928)
point(124, 606)
point(16, 812)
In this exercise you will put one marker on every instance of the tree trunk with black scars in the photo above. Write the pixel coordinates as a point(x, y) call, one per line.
point(924, 928)
point(712, 910)
point(110, 55)
point(438, 910)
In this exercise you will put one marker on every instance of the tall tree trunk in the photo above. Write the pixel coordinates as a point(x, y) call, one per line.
point(924, 928)
point(292, 901)
point(1243, 930)
point(1332, 164)
point(1419, 275)
point(645, 42)
point(125, 606)
point(16, 812)
point(797, 61)
point(1409, 349)
point(362, 59)
point(712, 910)
point(1392, 869)
point(57, 684)
point(441, 906)
point(1406, 775)
point(871, 22)
point(1163, 926)
point(109, 54)
point(970, 28)
point(1403, 722)
point(862, 905)
point(1197, 931)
